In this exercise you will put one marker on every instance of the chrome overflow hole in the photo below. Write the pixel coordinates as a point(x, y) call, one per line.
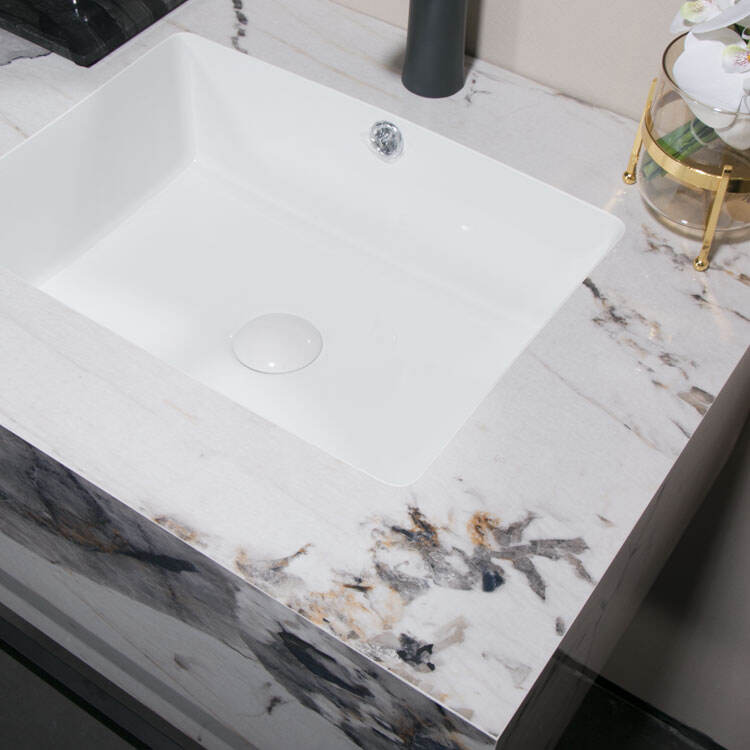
point(386, 140)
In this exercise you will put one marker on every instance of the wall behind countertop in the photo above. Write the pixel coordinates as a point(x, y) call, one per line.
point(604, 53)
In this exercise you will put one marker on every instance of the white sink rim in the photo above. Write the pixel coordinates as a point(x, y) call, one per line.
point(412, 472)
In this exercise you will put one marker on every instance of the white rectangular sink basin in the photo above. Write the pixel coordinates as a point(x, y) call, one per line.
point(201, 189)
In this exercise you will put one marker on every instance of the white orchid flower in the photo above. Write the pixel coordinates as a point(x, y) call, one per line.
point(734, 11)
point(696, 12)
point(714, 71)
point(736, 58)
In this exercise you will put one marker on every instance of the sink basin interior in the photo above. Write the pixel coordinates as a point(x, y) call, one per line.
point(200, 189)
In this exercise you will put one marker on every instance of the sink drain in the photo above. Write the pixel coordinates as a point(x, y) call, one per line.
point(277, 343)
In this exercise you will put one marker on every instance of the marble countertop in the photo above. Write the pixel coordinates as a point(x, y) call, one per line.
point(464, 583)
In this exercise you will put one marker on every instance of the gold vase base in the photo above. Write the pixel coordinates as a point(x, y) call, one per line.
point(719, 183)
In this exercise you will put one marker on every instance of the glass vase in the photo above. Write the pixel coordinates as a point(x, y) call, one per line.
point(699, 136)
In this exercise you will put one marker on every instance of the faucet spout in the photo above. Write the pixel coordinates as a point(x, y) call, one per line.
point(435, 45)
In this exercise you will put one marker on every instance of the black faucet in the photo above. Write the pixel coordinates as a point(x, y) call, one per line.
point(435, 45)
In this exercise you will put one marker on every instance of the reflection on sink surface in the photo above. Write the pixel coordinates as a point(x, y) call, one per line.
point(201, 189)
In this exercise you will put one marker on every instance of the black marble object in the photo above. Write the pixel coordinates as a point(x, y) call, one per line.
point(82, 30)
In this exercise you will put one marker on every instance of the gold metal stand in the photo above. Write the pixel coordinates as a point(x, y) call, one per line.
point(629, 174)
point(701, 262)
point(720, 184)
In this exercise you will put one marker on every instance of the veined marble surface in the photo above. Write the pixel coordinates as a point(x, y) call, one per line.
point(240, 669)
point(464, 583)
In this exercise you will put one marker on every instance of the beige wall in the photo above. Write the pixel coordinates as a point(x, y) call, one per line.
point(602, 51)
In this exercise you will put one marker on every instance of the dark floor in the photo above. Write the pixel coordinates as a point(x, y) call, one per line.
point(37, 713)
point(51, 699)
point(613, 719)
